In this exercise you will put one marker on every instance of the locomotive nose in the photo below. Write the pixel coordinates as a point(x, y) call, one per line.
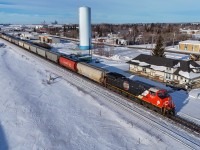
point(169, 103)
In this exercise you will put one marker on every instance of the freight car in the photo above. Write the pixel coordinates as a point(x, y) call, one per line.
point(53, 56)
point(152, 97)
point(26, 46)
point(68, 63)
point(92, 72)
point(140, 92)
point(33, 48)
point(41, 51)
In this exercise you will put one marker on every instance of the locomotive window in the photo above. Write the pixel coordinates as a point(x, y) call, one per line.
point(163, 95)
point(152, 93)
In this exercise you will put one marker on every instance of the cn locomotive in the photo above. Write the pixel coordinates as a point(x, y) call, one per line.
point(153, 97)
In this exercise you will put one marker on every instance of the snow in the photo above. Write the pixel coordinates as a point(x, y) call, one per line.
point(37, 113)
point(177, 65)
point(140, 63)
point(159, 68)
point(143, 46)
point(191, 66)
point(189, 75)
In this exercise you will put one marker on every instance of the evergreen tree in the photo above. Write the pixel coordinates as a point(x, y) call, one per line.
point(159, 49)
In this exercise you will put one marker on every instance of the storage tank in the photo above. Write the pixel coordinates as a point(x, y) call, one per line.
point(85, 28)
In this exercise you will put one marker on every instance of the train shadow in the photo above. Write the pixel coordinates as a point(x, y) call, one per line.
point(180, 97)
point(3, 140)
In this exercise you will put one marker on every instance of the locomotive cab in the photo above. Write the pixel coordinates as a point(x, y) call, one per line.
point(161, 99)
point(168, 104)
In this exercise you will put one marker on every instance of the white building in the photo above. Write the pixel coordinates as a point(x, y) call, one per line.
point(176, 72)
point(48, 39)
point(29, 36)
point(188, 31)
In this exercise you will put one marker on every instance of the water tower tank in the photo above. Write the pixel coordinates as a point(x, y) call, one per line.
point(85, 27)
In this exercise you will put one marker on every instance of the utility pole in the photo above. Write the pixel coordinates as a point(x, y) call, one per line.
point(173, 39)
point(152, 41)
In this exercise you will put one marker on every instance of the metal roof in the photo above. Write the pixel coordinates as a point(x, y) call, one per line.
point(154, 60)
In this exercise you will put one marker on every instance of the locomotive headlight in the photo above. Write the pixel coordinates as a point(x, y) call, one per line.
point(166, 103)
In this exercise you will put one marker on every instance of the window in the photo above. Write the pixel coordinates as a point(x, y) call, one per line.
point(185, 46)
point(168, 68)
point(163, 94)
point(144, 70)
point(152, 93)
point(168, 76)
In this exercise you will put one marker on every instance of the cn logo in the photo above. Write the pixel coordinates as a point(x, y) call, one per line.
point(158, 102)
point(126, 85)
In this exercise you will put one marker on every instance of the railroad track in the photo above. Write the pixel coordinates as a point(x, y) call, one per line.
point(188, 125)
point(156, 121)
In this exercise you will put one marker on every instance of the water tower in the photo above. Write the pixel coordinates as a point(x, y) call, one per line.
point(85, 28)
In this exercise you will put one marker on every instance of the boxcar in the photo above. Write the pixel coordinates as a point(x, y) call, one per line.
point(52, 56)
point(27, 46)
point(21, 43)
point(92, 72)
point(33, 48)
point(41, 51)
point(68, 63)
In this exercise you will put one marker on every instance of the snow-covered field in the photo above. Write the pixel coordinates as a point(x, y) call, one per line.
point(38, 114)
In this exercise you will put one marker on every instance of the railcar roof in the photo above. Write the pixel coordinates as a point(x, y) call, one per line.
point(114, 74)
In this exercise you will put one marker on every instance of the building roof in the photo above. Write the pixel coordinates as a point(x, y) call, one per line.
point(154, 60)
point(189, 42)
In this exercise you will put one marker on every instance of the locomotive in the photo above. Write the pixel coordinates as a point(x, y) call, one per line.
point(153, 97)
point(145, 94)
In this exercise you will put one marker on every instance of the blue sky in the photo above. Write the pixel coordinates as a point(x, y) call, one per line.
point(103, 11)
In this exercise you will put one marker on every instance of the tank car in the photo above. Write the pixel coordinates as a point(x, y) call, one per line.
point(68, 63)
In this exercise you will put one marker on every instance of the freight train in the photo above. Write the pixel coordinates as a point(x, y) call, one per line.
point(152, 97)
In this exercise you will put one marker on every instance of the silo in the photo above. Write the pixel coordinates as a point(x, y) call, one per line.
point(85, 27)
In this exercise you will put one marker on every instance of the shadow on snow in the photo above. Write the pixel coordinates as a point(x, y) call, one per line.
point(3, 140)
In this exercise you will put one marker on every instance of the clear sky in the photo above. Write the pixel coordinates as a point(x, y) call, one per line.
point(103, 11)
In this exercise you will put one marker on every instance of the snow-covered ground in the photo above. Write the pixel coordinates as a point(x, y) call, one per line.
point(38, 113)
